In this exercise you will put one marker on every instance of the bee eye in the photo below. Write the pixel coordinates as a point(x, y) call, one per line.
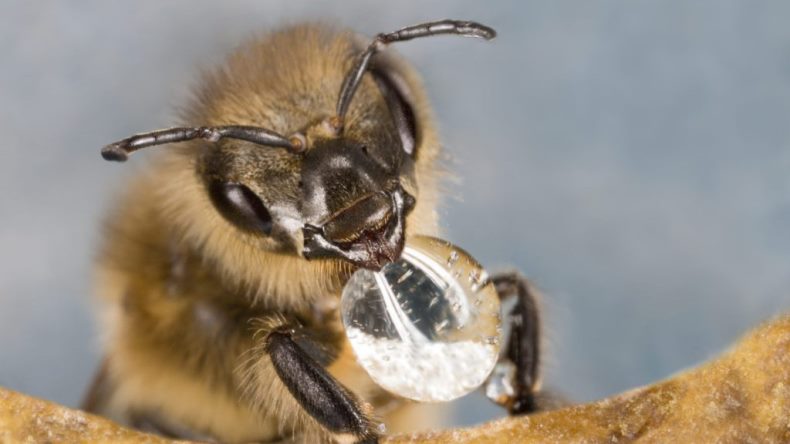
point(395, 92)
point(240, 206)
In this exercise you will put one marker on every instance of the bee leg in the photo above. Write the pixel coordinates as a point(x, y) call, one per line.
point(319, 394)
point(523, 342)
point(97, 398)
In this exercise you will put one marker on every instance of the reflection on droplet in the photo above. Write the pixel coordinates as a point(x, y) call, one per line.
point(419, 330)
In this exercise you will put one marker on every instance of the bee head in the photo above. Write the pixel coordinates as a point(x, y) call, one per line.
point(335, 193)
point(330, 175)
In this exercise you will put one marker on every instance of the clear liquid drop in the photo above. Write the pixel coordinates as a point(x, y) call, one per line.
point(418, 328)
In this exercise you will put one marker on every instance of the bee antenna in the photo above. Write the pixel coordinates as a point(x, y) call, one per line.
point(354, 77)
point(119, 151)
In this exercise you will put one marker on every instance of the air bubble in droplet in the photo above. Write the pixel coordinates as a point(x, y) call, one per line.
point(452, 258)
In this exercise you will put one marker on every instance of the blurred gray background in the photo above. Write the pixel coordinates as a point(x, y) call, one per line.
point(631, 157)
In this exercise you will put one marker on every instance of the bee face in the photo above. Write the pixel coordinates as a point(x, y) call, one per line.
point(342, 196)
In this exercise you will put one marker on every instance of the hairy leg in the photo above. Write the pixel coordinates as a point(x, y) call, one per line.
point(299, 365)
point(523, 342)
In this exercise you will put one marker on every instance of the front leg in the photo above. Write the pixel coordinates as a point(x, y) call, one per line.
point(523, 343)
point(322, 397)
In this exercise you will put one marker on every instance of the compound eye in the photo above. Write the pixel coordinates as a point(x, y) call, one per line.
point(241, 207)
point(395, 92)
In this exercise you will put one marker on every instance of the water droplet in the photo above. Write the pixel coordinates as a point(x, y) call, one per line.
point(428, 343)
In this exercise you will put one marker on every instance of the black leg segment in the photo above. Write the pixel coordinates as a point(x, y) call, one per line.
point(523, 343)
point(321, 396)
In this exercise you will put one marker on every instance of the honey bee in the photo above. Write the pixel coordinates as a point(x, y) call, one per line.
point(308, 154)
